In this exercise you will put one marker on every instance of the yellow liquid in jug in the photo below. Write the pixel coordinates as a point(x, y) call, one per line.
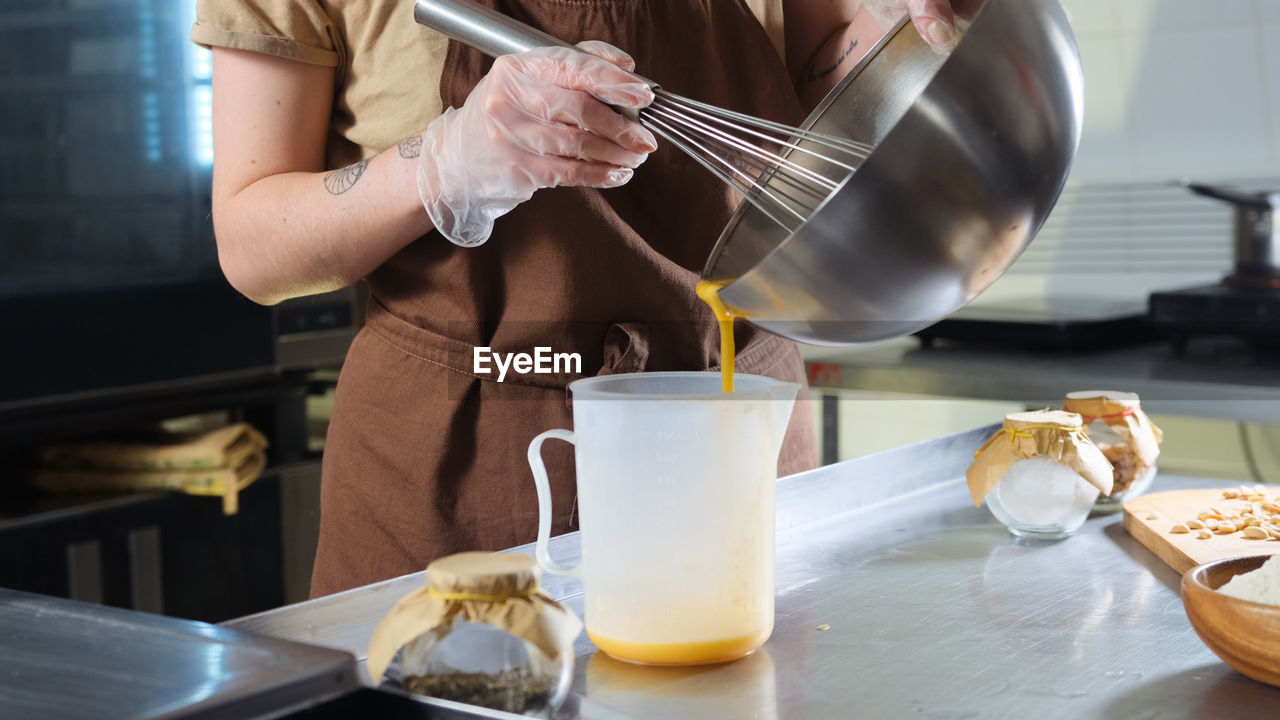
point(709, 292)
point(693, 653)
point(708, 651)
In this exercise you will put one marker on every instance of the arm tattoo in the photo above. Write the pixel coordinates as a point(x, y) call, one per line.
point(815, 75)
point(343, 179)
point(410, 148)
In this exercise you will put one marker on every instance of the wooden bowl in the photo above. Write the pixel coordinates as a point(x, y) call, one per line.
point(1246, 635)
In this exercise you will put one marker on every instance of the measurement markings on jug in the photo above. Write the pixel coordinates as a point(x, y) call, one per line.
point(679, 436)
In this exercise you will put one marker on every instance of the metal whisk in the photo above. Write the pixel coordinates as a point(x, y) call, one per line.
point(785, 172)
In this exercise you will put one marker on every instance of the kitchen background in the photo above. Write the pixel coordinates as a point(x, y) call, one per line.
point(1174, 89)
point(113, 312)
point(114, 315)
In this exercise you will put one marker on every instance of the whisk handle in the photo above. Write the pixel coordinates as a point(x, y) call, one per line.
point(482, 28)
point(489, 31)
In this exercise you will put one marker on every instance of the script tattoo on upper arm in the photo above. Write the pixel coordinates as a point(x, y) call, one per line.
point(343, 179)
point(410, 148)
point(814, 75)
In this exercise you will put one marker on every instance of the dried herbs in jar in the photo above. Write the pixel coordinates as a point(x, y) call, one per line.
point(480, 633)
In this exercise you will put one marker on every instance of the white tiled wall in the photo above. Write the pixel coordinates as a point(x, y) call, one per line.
point(1177, 88)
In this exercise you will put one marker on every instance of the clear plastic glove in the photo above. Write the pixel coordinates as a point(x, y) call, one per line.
point(934, 19)
point(539, 119)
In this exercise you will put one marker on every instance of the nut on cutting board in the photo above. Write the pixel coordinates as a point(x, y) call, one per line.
point(1151, 520)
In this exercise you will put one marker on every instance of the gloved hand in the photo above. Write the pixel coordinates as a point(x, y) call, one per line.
point(934, 19)
point(539, 119)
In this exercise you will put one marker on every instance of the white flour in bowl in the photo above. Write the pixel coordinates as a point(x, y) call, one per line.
point(1260, 586)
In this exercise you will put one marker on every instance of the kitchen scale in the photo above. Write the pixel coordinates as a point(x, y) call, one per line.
point(1247, 302)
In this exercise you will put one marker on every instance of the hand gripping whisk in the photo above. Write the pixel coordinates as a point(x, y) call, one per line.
point(785, 172)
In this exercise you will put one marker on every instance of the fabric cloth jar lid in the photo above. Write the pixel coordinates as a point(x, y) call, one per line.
point(1123, 412)
point(1054, 434)
point(505, 575)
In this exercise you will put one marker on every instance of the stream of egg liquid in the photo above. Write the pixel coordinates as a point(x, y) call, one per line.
point(709, 292)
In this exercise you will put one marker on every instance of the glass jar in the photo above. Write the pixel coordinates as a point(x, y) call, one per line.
point(481, 634)
point(1040, 474)
point(1041, 498)
point(1125, 435)
point(478, 664)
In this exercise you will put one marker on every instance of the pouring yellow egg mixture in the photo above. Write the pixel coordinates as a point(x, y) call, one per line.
point(714, 651)
point(709, 292)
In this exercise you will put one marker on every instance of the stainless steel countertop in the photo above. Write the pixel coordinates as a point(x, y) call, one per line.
point(934, 611)
point(67, 660)
point(1220, 381)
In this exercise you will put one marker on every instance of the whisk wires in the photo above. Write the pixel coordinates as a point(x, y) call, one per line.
point(785, 172)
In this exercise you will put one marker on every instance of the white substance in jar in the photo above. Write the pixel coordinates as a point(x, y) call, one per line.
point(1260, 586)
point(1042, 492)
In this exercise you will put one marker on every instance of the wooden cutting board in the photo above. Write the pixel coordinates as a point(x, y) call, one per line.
point(1183, 552)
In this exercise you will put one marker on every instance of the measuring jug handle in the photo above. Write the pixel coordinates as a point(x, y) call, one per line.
point(544, 503)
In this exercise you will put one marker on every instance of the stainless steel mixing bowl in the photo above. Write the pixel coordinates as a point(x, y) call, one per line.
point(972, 152)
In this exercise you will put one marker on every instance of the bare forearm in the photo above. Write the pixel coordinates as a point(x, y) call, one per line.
point(833, 59)
point(300, 233)
point(826, 38)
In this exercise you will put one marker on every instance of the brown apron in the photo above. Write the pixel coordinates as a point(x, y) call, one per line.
point(425, 457)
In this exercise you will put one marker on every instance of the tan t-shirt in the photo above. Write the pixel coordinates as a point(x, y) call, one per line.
point(388, 66)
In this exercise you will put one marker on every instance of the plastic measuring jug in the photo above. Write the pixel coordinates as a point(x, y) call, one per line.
point(676, 503)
